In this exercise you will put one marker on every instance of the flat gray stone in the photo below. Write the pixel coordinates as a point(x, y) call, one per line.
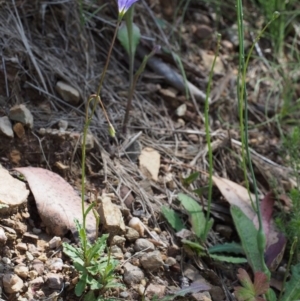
point(6, 127)
point(151, 261)
point(143, 244)
point(67, 92)
point(132, 274)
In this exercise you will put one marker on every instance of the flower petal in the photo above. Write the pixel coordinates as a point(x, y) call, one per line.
point(124, 5)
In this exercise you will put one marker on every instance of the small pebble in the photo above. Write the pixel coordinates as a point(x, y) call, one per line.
point(6, 260)
point(124, 295)
point(55, 242)
point(29, 256)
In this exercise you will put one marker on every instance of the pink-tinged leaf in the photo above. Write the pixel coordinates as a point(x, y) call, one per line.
point(245, 280)
point(57, 202)
point(236, 194)
point(266, 207)
point(261, 283)
point(243, 294)
point(275, 251)
point(250, 291)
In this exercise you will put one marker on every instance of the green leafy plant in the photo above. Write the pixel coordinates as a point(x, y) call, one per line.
point(96, 270)
point(197, 221)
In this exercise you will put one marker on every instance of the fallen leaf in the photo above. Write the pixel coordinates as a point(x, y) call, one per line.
point(239, 196)
point(266, 208)
point(149, 163)
point(276, 241)
point(275, 251)
point(236, 194)
point(57, 202)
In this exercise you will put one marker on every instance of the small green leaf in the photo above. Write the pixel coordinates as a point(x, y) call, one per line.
point(79, 267)
point(195, 246)
point(230, 259)
point(72, 252)
point(173, 218)
point(81, 285)
point(197, 218)
point(95, 285)
point(191, 178)
point(81, 231)
point(201, 190)
point(90, 296)
point(97, 248)
point(207, 229)
point(292, 287)
point(248, 235)
point(227, 248)
point(124, 40)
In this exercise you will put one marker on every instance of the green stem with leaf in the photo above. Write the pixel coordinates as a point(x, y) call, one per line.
point(243, 115)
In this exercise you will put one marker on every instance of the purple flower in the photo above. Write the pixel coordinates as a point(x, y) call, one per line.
point(124, 5)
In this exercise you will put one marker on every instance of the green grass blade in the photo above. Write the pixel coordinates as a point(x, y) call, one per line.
point(231, 247)
point(229, 259)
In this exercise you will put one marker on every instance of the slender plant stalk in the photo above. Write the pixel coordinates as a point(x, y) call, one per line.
point(95, 98)
point(243, 114)
point(207, 131)
point(129, 25)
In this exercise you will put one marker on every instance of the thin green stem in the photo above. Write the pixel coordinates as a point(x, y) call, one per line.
point(207, 131)
point(85, 129)
point(97, 97)
point(88, 118)
point(129, 25)
point(243, 114)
